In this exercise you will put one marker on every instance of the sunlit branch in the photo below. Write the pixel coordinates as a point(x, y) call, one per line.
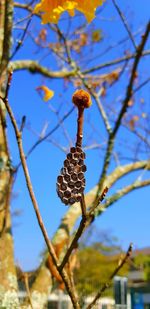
point(74, 212)
point(126, 169)
point(121, 193)
point(34, 67)
point(102, 111)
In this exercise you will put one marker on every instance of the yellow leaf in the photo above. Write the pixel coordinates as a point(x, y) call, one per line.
point(48, 93)
point(52, 10)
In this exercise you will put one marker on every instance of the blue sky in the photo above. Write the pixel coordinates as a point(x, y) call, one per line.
point(128, 219)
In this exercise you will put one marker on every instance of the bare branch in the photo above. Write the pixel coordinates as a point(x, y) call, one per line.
point(36, 207)
point(124, 23)
point(121, 193)
point(97, 100)
point(122, 112)
point(41, 139)
point(74, 212)
point(141, 85)
point(132, 78)
point(74, 243)
point(107, 284)
point(23, 6)
point(116, 61)
point(20, 42)
point(34, 67)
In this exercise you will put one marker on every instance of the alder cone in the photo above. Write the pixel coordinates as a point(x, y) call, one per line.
point(71, 181)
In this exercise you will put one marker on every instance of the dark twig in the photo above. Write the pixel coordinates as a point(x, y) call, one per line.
point(132, 78)
point(84, 223)
point(141, 85)
point(74, 242)
point(124, 23)
point(128, 96)
point(23, 121)
point(83, 206)
point(107, 284)
point(20, 42)
point(8, 85)
point(41, 139)
point(101, 198)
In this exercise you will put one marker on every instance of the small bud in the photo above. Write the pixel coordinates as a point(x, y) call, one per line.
point(81, 98)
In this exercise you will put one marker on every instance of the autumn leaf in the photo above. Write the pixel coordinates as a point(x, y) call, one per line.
point(48, 93)
point(134, 119)
point(52, 10)
point(96, 35)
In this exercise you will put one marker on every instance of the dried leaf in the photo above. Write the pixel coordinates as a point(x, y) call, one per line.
point(48, 93)
point(96, 36)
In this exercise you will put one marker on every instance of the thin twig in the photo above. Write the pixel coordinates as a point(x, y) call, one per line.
point(83, 206)
point(141, 85)
point(41, 139)
point(114, 62)
point(84, 223)
point(124, 23)
point(107, 284)
point(101, 198)
point(102, 111)
point(26, 281)
point(74, 243)
point(97, 100)
point(36, 207)
point(132, 78)
point(128, 96)
point(20, 42)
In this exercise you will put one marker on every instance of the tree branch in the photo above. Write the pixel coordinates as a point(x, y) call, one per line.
point(132, 78)
point(107, 284)
point(124, 23)
point(122, 112)
point(34, 67)
point(114, 62)
point(121, 193)
point(36, 207)
point(41, 139)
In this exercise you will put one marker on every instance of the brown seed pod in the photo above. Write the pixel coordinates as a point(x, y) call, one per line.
point(82, 99)
point(71, 181)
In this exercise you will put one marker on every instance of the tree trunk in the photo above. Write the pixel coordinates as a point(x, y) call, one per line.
point(8, 279)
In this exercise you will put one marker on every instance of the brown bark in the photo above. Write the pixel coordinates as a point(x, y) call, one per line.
point(8, 280)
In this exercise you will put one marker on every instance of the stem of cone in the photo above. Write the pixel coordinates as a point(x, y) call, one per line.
point(80, 126)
